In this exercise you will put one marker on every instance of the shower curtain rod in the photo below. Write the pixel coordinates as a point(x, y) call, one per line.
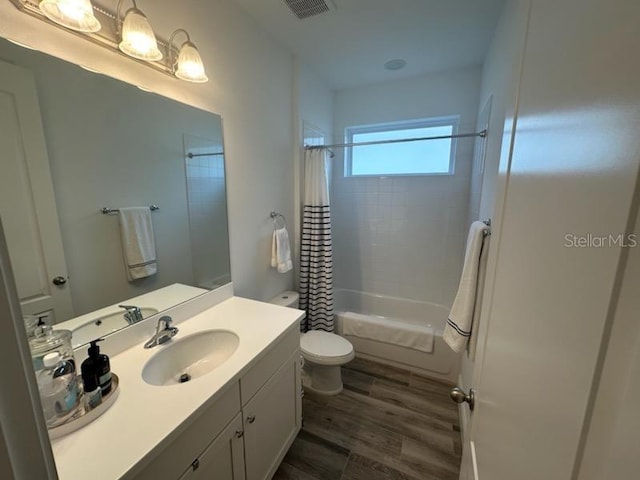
point(193, 155)
point(481, 134)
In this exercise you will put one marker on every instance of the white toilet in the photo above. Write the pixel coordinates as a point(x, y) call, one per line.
point(323, 354)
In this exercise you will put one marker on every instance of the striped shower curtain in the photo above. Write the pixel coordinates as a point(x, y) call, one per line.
point(316, 262)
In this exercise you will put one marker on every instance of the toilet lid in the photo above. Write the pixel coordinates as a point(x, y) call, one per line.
point(327, 345)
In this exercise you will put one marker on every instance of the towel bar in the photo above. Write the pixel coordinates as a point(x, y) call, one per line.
point(107, 210)
point(487, 231)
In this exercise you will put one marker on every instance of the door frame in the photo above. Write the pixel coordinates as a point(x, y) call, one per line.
point(507, 133)
point(22, 423)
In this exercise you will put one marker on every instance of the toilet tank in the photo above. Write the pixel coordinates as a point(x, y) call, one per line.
point(286, 299)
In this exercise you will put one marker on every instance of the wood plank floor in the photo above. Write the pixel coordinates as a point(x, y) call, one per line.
point(387, 423)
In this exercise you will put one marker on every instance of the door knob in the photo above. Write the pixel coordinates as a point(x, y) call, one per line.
point(59, 280)
point(459, 396)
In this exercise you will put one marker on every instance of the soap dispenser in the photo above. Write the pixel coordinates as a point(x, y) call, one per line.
point(97, 368)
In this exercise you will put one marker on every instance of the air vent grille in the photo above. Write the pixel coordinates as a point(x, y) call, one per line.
point(307, 8)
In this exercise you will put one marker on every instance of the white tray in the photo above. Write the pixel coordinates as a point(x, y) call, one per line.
point(84, 417)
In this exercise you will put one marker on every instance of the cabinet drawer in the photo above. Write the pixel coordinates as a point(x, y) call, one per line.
point(251, 382)
point(169, 461)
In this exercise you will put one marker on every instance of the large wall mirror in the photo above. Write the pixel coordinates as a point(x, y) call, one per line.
point(74, 142)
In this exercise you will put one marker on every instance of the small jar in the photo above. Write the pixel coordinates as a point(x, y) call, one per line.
point(47, 340)
point(59, 390)
point(31, 324)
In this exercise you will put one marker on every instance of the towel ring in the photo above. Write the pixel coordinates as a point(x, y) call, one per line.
point(275, 216)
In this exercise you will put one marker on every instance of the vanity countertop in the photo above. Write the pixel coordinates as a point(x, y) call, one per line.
point(143, 416)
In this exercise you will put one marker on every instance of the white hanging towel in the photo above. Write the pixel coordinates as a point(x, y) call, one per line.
point(460, 322)
point(281, 251)
point(138, 243)
point(482, 273)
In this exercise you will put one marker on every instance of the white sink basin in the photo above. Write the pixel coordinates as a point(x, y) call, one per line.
point(101, 326)
point(190, 357)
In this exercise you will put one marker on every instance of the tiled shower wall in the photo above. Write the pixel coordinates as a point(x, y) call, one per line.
point(207, 213)
point(404, 236)
point(400, 236)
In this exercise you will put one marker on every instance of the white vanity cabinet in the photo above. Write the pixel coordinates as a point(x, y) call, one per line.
point(223, 459)
point(246, 432)
point(271, 421)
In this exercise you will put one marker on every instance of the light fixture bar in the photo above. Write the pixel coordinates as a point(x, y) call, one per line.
point(107, 37)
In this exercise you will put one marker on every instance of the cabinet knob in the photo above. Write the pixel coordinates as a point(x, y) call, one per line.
point(239, 433)
point(251, 418)
point(195, 465)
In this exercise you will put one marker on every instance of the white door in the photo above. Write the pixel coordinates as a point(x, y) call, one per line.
point(27, 202)
point(568, 183)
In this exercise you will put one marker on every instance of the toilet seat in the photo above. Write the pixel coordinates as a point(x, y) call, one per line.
point(326, 348)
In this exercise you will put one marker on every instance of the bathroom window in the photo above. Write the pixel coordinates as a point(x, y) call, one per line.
point(422, 157)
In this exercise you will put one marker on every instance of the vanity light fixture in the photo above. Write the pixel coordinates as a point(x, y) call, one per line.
point(137, 38)
point(129, 35)
point(188, 66)
point(74, 14)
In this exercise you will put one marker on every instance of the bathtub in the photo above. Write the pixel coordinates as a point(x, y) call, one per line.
point(442, 363)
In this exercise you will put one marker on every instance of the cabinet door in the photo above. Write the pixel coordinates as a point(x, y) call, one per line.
point(223, 459)
point(272, 420)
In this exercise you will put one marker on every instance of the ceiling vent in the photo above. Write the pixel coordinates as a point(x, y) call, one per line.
point(308, 8)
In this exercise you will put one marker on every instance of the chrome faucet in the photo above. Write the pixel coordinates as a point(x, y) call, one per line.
point(133, 314)
point(164, 332)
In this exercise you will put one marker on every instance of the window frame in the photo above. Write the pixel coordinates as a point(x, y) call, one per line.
point(453, 121)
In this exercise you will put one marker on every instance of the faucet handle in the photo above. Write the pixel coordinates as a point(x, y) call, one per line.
point(164, 323)
point(164, 332)
point(129, 307)
point(133, 313)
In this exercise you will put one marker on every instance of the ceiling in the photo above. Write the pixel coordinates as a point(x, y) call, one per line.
point(349, 45)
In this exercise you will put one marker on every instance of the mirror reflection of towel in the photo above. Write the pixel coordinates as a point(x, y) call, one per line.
point(138, 243)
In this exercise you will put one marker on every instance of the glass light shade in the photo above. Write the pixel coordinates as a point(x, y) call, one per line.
point(190, 67)
point(138, 39)
point(73, 14)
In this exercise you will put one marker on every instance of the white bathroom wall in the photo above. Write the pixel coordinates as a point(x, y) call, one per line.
point(315, 99)
point(499, 86)
point(313, 111)
point(250, 86)
point(404, 236)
